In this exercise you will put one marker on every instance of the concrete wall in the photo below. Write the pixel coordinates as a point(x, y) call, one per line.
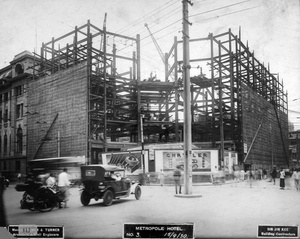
point(64, 94)
point(268, 145)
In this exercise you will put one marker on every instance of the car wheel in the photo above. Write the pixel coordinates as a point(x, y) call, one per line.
point(138, 192)
point(85, 198)
point(108, 198)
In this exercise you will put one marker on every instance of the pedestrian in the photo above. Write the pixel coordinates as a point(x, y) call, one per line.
point(161, 177)
point(63, 186)
point(296, 177)
point(19, 177)
point(282, 181)
point(274, 174)
point(236, 176)
point(251, 176)
point(242, 173)
point(265, 173)
point(177, 179)
point(258, 174)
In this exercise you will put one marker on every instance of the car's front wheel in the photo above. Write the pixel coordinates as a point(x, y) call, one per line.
point(137, 192)
point(108, 198)
point(85, 198)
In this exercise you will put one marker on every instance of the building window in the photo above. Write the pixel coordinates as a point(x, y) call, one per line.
point(9, 150)
point(18, 166)
point(5, 144)
point(6, 97)
point(19, 69)
point(19, 111)
point(19, 139)
point(5, 117)
point(19, 90)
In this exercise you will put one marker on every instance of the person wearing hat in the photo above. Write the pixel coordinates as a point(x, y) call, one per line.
point(63, 186)
point(177, 175)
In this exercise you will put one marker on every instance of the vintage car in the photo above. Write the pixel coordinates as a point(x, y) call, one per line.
point(4, 181)
point(106, 182)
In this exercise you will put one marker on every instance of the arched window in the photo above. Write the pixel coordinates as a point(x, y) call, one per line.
point(19, 69)
point(19, 139)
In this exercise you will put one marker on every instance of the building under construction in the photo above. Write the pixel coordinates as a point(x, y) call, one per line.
point(85, 96)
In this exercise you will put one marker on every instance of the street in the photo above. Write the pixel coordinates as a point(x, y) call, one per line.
point(230, 210)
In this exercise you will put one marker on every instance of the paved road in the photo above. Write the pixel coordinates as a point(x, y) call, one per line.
point(230, 210)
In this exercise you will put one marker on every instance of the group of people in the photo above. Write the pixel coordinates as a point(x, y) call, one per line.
point(250, 176)
point(63, 184)
point(295, 177)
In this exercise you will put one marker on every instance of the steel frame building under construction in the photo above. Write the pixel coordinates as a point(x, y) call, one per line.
point(87, 86)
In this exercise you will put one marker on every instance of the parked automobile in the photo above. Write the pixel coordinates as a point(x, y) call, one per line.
point(106, 182)
point(4, 180)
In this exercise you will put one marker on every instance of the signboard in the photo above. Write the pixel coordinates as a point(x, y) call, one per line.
point(34, 231)
point(201, 160)
point(131, 161)
point(158, 231)
point(265, 231)
point(230, 159)
point(245, 148)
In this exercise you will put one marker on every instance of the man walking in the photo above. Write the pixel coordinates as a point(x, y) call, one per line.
point(63, 186)
point(296, 177)
point(177, 175)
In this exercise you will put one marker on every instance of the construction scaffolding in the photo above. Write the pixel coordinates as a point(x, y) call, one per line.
point(119, 103)
point(227, 72)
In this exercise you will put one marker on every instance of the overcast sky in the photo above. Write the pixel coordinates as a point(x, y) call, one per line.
point(271, 27)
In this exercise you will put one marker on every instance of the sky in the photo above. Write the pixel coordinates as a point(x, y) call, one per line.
point(270, 27)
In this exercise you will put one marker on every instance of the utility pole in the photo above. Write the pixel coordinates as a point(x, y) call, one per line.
point(187, 101)
point(104, 84)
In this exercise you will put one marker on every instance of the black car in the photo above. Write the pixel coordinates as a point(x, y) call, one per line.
point(6, 182)
point(106, 182)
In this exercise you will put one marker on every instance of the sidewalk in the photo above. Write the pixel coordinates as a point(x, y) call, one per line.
point(263, 183)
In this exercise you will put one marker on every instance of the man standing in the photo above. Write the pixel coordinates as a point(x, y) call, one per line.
point(63, 186)
point(282, 181)
point(177, 175)
point(274, 174)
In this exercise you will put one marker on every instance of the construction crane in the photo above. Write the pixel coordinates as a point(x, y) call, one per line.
point(162, 56)
point(156, 45)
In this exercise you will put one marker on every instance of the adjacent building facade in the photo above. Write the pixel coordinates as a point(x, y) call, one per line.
point(13, 113)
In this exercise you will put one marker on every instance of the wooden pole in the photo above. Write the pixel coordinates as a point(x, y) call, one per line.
point(187, 102)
